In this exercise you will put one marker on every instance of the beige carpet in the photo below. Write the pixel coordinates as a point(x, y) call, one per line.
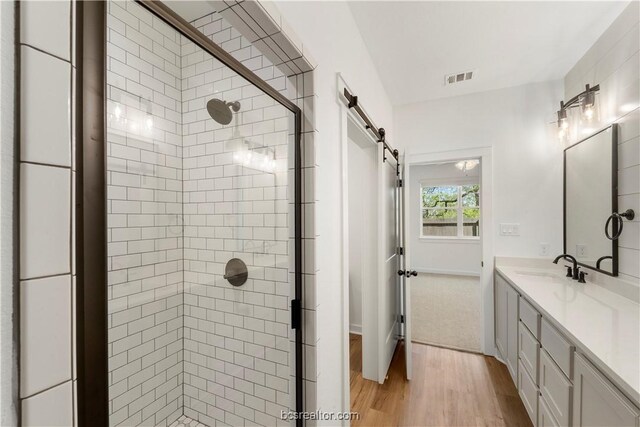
point(445, 311)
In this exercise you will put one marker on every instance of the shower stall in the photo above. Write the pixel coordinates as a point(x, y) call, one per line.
point(203, 229)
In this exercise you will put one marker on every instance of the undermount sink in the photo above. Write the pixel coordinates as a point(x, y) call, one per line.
point(542, 275)
point(537, 273)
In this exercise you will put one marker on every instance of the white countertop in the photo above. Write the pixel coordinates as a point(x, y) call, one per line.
point(603, 325)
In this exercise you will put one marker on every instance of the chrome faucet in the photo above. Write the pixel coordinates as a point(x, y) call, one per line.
point(575, 270)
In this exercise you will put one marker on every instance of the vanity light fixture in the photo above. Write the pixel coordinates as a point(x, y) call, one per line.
point(587, 103)
point(563, 121)
point(586, 100)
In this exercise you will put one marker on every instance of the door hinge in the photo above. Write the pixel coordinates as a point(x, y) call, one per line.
point(296, 313)
point(400, 183)
point(401, 251)
point(481, 263)
point(402, 318)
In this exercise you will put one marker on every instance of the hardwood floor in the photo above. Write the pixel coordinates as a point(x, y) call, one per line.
point(449, 388)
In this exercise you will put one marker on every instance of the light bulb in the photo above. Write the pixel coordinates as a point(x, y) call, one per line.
point(117, 111)
point(149, 122)
point(561, 134)
point(587, 103)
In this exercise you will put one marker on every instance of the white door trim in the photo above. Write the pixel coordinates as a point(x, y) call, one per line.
point(486, 227)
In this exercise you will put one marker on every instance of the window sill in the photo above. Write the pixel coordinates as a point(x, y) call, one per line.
point(468, 240)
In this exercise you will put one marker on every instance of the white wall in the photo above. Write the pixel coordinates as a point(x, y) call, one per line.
point(356, 231)
point(435, 255)
point(527, 168)
point(614, 62)
point(8, 336)
point(329, 33)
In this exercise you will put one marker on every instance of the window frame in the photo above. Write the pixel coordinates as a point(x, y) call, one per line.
point(459, 183)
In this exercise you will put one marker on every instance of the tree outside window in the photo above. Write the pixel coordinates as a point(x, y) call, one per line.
point(450, 211)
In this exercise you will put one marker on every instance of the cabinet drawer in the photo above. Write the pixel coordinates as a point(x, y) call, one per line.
point(528, 393)
point(545, 419)
point(530, 317)
point(556, 389)
point(560, 350)
point(529, 352)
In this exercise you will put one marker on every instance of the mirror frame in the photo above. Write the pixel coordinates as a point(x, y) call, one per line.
point(614, 197)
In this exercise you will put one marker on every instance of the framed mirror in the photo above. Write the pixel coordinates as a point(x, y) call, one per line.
point(590, 198)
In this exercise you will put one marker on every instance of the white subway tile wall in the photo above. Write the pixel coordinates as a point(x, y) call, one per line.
point(145, 235)
point(187, 194)
point(47, 372)
point(614, 63)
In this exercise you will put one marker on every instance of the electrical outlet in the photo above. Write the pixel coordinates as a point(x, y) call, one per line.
point(544, 249)
point(581, 251)
point(509, 229)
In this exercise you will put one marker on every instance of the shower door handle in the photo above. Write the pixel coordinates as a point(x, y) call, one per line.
point(407, 273)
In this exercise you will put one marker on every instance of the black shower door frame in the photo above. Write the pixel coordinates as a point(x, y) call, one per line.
point(91, 202)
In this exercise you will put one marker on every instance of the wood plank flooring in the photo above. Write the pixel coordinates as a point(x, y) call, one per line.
point(449, 388)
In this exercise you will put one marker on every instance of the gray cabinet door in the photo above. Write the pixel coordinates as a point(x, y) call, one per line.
point(596, 402)
point(500, 292)
point(512, 333)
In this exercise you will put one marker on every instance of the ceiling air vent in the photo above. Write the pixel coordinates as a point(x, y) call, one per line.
point(450, 79)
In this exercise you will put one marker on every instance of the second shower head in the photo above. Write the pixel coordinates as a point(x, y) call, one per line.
point(222, 111)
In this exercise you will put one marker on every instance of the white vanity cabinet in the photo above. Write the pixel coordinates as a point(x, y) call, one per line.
point(596, 401)
point(506, 328)
point(500, 304)
point(557, 384)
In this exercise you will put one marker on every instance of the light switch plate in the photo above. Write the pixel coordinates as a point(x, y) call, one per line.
point(509, 229)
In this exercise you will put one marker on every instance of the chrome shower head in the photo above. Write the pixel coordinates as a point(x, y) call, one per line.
point(221, 111)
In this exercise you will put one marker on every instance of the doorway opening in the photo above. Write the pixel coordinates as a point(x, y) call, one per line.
point(362, 214)
point(445, 213)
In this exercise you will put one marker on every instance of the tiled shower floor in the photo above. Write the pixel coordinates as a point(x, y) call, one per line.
point(184, 421)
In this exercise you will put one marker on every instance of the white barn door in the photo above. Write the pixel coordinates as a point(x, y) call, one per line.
point(389, 290)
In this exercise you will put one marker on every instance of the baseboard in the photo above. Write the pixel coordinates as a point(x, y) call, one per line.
point(355, 329)
point(448, 272)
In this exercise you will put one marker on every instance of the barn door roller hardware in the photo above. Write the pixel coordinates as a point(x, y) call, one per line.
point(379, 133)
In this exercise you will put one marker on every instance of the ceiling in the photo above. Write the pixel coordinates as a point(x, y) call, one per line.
point(414, 44)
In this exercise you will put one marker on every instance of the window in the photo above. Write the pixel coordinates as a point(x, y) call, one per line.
point(450, 211)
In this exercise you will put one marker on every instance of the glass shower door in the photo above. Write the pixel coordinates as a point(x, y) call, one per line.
point(200, 233)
